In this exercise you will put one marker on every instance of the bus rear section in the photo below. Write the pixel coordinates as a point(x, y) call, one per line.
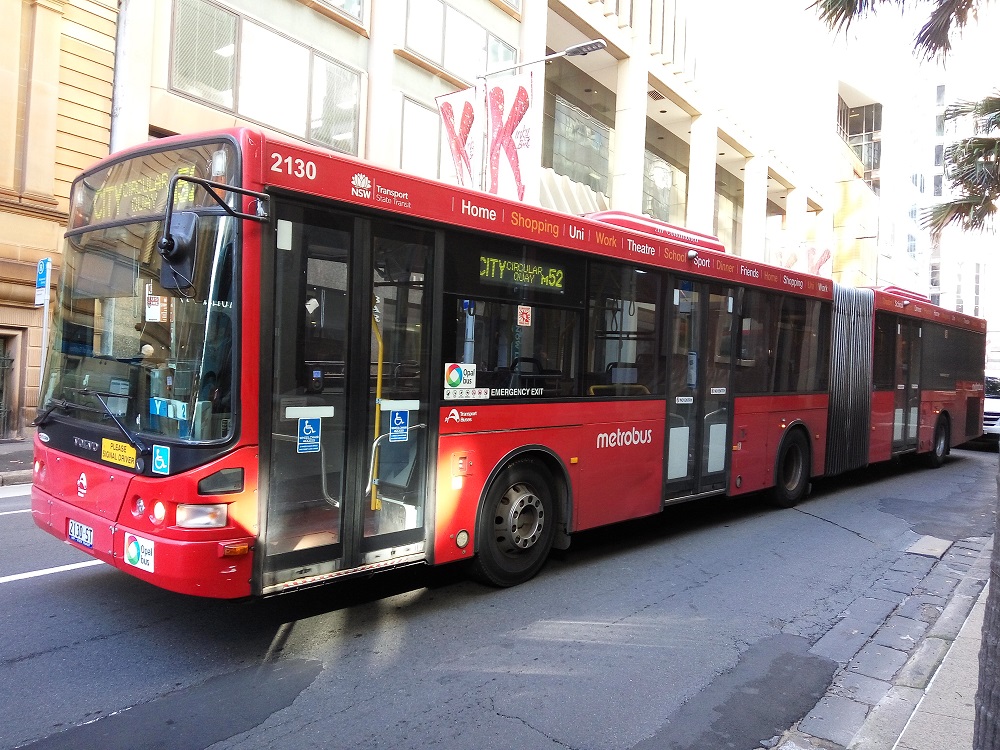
point(907, 378)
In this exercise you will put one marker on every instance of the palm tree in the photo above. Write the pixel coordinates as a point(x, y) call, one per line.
point(971, 166)
point(934, 38)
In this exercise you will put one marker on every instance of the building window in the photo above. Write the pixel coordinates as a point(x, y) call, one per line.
point(452, 40)
point(204, 63)
point(352, 8)
point(911, 246)
point(275, 94)
point(938, 185)
point(665, 175)
point(729, 210)
point(664, 190)
point(861, 128)
point(335, 103)
point(975, 292)
point(420, 149)
point(940, 96)
point(227, 61)
point(939, 125)
point(935, 276)
point(581, 147)
point(938, 155)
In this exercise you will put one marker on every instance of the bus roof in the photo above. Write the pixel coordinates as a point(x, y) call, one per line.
point(272, 161)
point(913, 305)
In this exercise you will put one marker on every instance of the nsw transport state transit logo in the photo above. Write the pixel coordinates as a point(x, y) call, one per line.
point(361, 186)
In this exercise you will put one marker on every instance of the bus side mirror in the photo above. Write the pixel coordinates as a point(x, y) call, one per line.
point(177, 248)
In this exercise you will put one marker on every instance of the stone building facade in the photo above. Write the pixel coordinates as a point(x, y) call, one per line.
point(56, 75)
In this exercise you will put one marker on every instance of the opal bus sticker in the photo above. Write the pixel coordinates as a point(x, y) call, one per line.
point(459, 375)
point(139, 552)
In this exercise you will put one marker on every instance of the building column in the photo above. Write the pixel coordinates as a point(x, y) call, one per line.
point(10, 60)
point(39, 151)
point(531, 43)
point(755, 209)
point(796, 225)
point(383, 102)
point(701, 174)
point(133, 74)
point(629, 162)
point(532, 32)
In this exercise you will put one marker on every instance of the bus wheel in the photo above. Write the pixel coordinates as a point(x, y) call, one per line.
point(939, 449)
point(791, 470)
point(517, 525)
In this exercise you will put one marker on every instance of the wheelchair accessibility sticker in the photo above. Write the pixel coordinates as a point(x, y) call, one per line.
point(309, 432)
point(161, 459)
point(399, 426)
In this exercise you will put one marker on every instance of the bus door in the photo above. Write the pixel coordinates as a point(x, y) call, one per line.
point(907, 382)
point(699, 395)
point(346, 432)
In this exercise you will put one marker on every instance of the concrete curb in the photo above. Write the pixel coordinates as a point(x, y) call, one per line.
point(16, 477)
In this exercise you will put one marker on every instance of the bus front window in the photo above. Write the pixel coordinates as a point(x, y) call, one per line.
point(161, 361)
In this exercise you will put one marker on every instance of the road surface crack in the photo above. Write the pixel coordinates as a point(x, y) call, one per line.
point(839, 526)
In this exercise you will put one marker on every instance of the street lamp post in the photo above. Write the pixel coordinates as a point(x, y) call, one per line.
point(574, 50)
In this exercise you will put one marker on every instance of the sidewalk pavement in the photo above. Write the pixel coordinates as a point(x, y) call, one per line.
point(16, 460)
point(924, 698)
point(945, 716)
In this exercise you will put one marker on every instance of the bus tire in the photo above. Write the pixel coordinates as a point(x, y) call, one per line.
point(516, 526)
point(791, 470)
point(939, 448)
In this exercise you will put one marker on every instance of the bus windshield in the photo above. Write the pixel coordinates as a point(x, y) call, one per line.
point(157, 362)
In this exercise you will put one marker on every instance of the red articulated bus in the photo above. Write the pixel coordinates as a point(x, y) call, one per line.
point(273, 366)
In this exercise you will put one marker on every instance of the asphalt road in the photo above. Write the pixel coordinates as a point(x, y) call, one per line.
point(692, 629)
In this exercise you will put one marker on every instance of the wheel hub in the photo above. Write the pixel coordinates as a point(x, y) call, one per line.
point(520, 518)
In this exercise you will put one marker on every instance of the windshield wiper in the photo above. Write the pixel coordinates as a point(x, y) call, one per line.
point(54, 404)
point(99, 395)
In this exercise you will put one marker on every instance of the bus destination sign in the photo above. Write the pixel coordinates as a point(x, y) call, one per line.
point(519, 273)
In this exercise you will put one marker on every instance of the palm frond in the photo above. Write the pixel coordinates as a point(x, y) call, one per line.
point(961, 108)
point(934, 38)
point(970, 213)
point(838, 14)
point(972, 166)
point(989, 113)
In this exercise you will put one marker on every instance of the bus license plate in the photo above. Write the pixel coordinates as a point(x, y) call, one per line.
point(81, 534)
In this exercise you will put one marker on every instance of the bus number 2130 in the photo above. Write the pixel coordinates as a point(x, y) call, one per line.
point(294, 167)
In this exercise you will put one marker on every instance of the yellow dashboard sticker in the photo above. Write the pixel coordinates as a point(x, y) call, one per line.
point(117, 452)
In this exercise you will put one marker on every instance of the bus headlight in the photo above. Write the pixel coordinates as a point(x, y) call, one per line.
point(202, 516)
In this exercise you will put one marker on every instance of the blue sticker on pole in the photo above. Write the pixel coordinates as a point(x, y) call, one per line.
point(42, 280)
point(309, 433)
point(399, 426)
